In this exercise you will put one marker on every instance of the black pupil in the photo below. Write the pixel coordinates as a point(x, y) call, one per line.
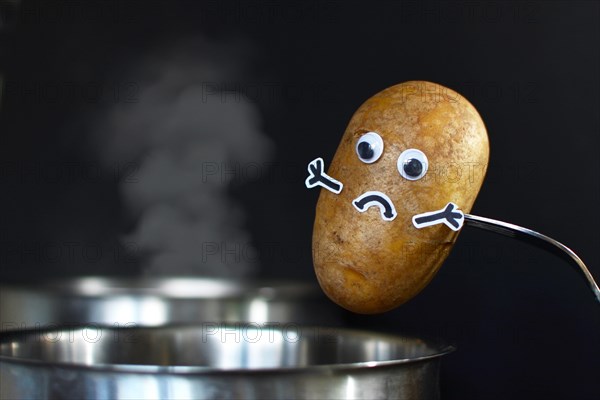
point(365, 150)
point(413, 167)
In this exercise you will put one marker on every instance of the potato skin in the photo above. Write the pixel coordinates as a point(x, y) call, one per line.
point(368, 265)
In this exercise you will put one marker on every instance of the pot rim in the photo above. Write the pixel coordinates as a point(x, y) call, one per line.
point(171, 287)
point(439, 349)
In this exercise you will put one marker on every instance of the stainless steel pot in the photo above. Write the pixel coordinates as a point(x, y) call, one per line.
point(154, 302)
point(216, 361)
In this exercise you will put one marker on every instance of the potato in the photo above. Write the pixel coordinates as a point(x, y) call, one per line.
point(380, 232)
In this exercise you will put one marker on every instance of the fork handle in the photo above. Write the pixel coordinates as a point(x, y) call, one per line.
point(537, 239)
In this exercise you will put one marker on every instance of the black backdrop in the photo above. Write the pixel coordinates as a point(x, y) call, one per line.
point(525, 324)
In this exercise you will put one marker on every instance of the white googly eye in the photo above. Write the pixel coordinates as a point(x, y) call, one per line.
point(412, 164)
point(369, 147)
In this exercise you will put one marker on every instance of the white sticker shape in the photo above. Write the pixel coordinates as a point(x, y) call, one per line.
point(318, 177)
point(372, 198)
point(450, 215)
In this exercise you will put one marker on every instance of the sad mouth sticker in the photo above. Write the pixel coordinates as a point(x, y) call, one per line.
point(368, 199)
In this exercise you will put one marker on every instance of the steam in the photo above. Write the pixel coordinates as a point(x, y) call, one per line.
point(186, 137)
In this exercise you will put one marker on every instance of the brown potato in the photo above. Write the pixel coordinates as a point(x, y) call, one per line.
point(364, 262)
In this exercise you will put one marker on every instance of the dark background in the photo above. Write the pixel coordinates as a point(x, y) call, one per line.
point(525, 324)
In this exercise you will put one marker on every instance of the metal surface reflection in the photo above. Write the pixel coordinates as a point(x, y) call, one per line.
point(242, 360)
point(155, 302)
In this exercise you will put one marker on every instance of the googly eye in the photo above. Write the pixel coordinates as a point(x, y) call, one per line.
point(412, 164)
point(369, 147)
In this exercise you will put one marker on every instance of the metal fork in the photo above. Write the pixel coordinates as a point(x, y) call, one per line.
point(536, 239)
